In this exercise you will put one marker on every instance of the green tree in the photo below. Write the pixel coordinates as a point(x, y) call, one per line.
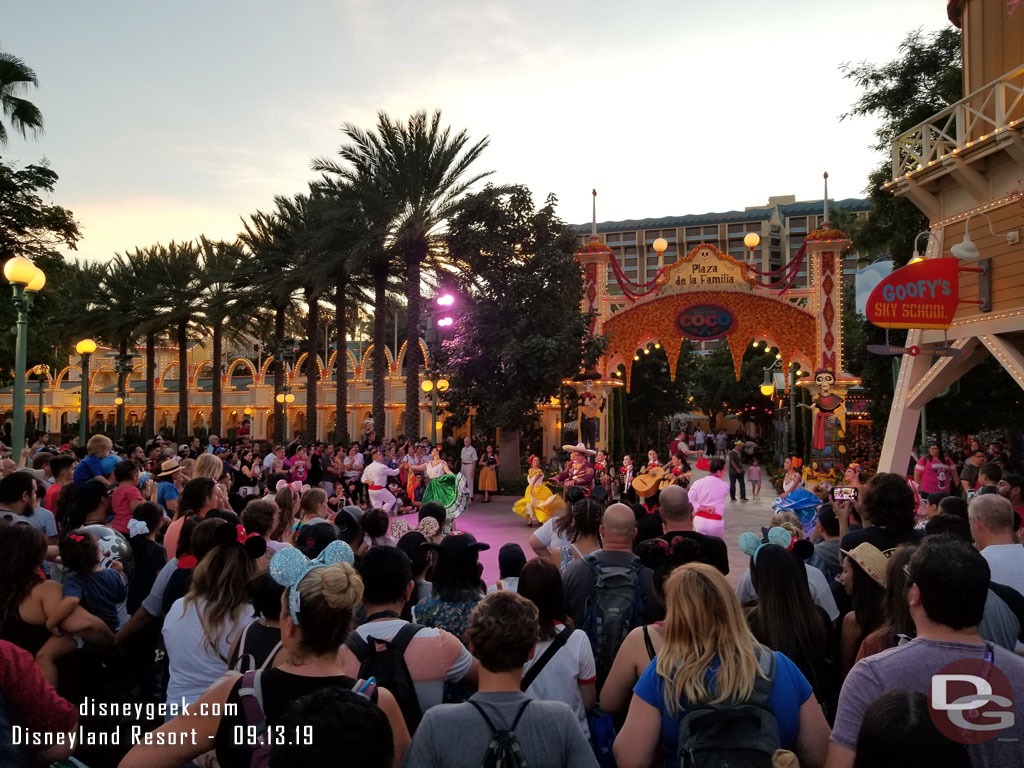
point(15, 79)
point(520, 330)
point(654, 396)
point(29, 226)
point(222, 301)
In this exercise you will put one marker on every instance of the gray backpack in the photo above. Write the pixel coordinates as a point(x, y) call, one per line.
point(731, 734)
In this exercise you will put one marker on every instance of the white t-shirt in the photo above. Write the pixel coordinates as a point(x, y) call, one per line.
point(1006, 562)
point(561, 677)
point(511, 584)
point(820, 592)
point(194, 665)
point(433, 657)
point(554, 542)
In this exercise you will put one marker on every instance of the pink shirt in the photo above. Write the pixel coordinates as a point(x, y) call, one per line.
point(709, 492)
point(124, 495)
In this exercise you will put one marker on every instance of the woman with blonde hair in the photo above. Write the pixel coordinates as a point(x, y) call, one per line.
point(317, 607)
point(208, 465)
point(710, 668)
point(287, 502)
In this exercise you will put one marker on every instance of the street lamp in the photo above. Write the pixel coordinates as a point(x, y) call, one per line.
point(285, 399)
point(25, 279)
point(123, 366)
point(752, 240)
point(41, 371)
point(84, 348)
point(433, 386)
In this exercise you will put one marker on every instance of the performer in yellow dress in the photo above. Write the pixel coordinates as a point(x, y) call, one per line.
point(540, 502)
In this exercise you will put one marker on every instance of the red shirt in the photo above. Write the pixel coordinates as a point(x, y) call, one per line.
point(52, 494)
point(124, 495)
point(31, 701)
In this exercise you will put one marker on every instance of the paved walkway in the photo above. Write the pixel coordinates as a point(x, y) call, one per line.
point(496, 524)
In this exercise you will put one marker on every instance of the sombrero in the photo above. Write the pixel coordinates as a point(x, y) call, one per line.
point(579, 448)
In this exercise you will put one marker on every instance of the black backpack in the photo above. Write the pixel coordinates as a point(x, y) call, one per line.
point(738, 735)
point(615, 606)
point(384, 660)
point(504, 750)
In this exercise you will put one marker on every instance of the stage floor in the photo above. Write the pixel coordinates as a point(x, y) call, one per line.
point(496, 524)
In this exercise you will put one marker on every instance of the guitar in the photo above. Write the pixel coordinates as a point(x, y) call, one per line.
point(651, 481)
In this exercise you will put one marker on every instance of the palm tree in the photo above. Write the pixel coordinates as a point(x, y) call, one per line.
point(146, 264)
point(422, 171)
point(222, 299)
point(22, 114)
point(122, 307)
point(178, 273)
point(272, 254)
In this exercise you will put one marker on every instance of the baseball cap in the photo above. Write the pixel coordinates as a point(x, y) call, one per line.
point(312, 539)
point(457, 545)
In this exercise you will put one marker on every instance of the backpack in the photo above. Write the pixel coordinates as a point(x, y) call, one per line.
point(615, 606)
point(387, 666)
point(250, 694)
point(739, 735)
point(504, 750)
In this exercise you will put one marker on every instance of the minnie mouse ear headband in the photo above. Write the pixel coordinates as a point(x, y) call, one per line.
point(751, 543)
point(295, 485)
point(289, 567)
point(254, 544)
point(428, 526)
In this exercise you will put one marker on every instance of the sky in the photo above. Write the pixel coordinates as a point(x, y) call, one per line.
point(170, 120)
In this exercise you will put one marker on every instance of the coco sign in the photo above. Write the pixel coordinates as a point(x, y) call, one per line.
point(704, 322)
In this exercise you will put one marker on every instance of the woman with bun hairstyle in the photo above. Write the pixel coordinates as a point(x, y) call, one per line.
point(201, 627)
point(320, 598)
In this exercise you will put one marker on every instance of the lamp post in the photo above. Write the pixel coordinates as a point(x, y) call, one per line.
point(26, 279)
point(84, 348)
point(433, 386)
point(286, 398)
point(752, 240)
point(41, 372)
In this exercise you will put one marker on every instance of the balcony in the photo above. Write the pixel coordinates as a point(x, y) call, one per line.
point(988, 121)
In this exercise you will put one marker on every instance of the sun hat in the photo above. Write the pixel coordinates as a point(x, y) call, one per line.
point(169, 467)
point(870, 559)
point(579, 448)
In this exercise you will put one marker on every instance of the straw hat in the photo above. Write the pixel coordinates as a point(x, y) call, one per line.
point(579, 448)
point(870, 559)
point(169, 467)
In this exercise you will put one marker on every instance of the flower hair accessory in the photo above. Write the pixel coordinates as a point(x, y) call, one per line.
point(289, 567)
point(797, 462)
point(76, 537)
point(751, 543)
point(137, 528)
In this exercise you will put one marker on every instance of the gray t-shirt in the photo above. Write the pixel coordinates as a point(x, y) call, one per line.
point(456, 736)
point(911, 667)
point(40, 518)
point(820, 591)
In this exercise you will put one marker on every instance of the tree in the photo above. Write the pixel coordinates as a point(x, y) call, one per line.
point(520, 330)
point(28, 225)
point(24, 116)
point(223, 298)
point(421, 171)
point(926, 78)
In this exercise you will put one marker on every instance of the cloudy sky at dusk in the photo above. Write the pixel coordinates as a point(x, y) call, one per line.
point(170, 120)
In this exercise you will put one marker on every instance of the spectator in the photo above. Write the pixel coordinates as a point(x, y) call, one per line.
point(953, 505)
point(326, 591)
point(888, 508)
point(898, 732)
point(826, 551)
point(935, 471)
point(503, 632)
point(432, 656)
point(170, 481)
point(677, 518)
point(18, 504)
point(989, 475)
point(63, 469)
point(148, 557)
point(98, 464)
point(863, 578)
point(344, 727)
point(969, 475)
point(127, 495)
point(259, 645)
point(992, 527)
point(456, 587)
point(562, 666)
point(710, 656)
point(897, 625)
point(197, 498)
point(596, 585)
point(101, 591)
point(948, 586)
point(511, 560)
point(736, 474)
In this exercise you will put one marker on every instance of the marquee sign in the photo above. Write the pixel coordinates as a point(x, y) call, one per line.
point(922, 295)
point(704, 322)
point(705, 268)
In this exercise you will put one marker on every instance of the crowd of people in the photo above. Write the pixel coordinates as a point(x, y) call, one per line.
point(270, 605)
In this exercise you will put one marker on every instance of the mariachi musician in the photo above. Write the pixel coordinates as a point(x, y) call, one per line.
point(579, 472)
point(624, 480)
point(679, 471)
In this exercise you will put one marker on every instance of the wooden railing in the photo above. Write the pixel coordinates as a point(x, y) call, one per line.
point(979, 117)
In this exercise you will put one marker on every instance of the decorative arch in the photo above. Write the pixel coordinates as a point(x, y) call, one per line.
point(97, 372)
point(368, 357)
point(41, 370)
point(199, 369)
point(247, 363)
point(301, 360)
point(163, 374)
point(401, 355)
point(754, 316)
point(65, 372)
point(140, 369)
point(332, 361)
point(266, 367)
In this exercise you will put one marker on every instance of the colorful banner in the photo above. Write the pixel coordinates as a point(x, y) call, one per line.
point(921, 295)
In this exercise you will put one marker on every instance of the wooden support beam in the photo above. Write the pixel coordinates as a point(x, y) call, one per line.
point(926, 202)
point(1008, 355)
point(972, 181)
point(944, 372)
